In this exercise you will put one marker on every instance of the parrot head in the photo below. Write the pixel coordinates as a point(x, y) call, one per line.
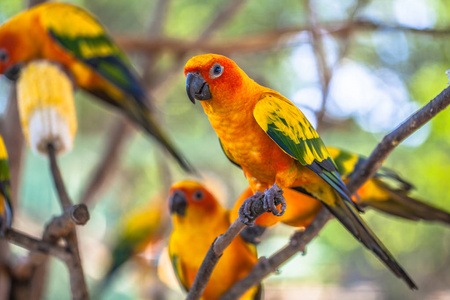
point(212, 77)
point(188, 199)
point(16, 47)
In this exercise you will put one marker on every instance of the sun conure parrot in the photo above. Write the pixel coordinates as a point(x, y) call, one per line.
point(74, 38)
point(197, 220)
point(274, 144)
point(386, 192)
point(5, 194)
point(138, 230)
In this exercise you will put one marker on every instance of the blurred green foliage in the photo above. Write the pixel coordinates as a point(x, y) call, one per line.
point(384, 77)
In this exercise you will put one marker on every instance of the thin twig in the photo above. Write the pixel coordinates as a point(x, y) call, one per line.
point(361, 175)
point(32, 244)
point(57, 178)
point(77, 281)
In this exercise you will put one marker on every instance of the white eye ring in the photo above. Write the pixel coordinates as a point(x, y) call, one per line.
point(198, 195)
point(216, 71)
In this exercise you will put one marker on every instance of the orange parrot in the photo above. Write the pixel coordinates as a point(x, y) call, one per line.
point(386, 192)
point(274, 144)
point(69, 35)
point(198, 219)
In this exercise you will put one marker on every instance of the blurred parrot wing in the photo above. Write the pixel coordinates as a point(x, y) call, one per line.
point(179, 270)
point(6, 208)
point(81, 35)
point(291, 131)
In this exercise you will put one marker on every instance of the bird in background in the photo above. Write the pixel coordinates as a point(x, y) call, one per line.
point(198, 219)
point(386, 192)
point(5, 194)
point(138, 230)
point(71, 36)
point(275, 145)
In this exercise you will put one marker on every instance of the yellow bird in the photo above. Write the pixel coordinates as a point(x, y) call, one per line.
point(197, 220)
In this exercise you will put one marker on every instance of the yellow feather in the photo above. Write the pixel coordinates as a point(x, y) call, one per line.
point(3, 153)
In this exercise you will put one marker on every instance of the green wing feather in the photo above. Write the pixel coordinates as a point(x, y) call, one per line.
point(291, 131)
point(5, 193)
point(178, 269)
point(82, 35)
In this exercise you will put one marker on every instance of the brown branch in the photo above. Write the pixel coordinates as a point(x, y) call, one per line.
point(32, 244)
point(393, 139)
point(77, 280)
point(285, 37)
point(266, 266)
point(57, 178)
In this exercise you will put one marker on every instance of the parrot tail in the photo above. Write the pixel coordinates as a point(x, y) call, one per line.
point(350, 218)
point(400, 204)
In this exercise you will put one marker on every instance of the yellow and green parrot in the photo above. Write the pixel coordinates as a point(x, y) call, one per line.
point(198, 219)
point(71, 36)
point(5, 195)
point(275, 145)
point(386, 192)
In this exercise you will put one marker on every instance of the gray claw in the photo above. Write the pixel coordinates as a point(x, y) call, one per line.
point(273, 197)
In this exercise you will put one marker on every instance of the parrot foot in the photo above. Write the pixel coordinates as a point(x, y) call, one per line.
point(253, 234)
point(272, 198)
point(245, 212)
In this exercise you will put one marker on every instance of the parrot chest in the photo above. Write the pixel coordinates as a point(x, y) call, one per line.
point(248, 145)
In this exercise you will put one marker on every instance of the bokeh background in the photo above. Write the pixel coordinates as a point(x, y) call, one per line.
point(356, 68)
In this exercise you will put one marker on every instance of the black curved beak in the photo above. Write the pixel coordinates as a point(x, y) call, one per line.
point(13, 72)
point(197, 88)
point(178, 203)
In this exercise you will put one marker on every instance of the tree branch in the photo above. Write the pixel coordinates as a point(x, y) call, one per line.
point(285, 37)
point(300, 239)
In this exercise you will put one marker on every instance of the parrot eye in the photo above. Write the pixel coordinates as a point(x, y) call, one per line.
point(198, 195)
point(216, 71)
point(4, 57)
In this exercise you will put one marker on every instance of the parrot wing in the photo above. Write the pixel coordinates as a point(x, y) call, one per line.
point(291, 131)
point(81, 35)
point(6, 208)
point(179, 270)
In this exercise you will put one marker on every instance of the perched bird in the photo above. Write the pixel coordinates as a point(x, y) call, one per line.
point(386, 192)
point(197, 220)
point(5, 195)
point(274, 144)
point(71, 36)
point(138, 230)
